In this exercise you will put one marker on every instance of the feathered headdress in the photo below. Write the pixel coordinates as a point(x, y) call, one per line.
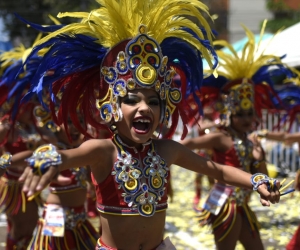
point(289, 95)
point(121, 46)
point(14, 80)
point(245, 81)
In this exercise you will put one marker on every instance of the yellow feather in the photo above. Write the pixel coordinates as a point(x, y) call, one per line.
point(115, 21)
point(246, 63)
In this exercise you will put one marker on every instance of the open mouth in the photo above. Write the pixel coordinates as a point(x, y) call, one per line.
point(141, 125)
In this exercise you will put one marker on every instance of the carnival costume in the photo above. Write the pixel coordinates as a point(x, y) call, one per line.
point(77, 232)
point(244, 84)
point(122, 46)
point(12, 88)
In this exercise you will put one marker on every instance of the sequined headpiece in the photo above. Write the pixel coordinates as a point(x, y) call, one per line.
point(125, 45)
point(237, 96)
point(245, 81)
point(139, 64)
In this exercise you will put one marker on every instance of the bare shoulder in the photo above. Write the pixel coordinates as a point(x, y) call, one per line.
point(168, 148)
point(97, 144)
point(165, 143)
point(102, 153)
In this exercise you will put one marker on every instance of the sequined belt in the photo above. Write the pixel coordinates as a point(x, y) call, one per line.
point(240, 195)
point(127, 210)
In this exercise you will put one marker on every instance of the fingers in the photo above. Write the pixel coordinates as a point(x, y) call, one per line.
point(45, 179)
point(264, 202)
point(269, 197)
point(35, 183)
point(26, 178)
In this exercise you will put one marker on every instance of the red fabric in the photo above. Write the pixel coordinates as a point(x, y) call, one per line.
point(74, 184)
point(294, 243)
point(108, 193)
point(16, 147)
point(227, 158)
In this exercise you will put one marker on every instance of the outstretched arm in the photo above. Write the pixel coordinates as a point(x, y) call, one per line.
point(226, 174)
point(86, 154)
point(285, 137)
point(201, 142)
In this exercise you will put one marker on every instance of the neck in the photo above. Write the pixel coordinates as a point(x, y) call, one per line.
point(135, 146)
point(239, 134)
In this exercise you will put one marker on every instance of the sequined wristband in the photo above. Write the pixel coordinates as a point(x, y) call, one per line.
point(42, 158)
point(5, 160)
point(259, 179)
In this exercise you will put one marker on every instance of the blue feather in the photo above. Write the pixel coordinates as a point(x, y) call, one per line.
point(44, 29)
point(66, 55)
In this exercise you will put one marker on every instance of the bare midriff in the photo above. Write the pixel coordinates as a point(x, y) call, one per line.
point(74, 198)
point(132, 232)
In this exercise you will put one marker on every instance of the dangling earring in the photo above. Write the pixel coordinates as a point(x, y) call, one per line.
point(113, 128)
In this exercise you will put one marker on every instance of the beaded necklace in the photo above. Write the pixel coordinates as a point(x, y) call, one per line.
point(243, 149)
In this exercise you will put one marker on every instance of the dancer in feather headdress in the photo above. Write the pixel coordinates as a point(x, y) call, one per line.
point(120, 59)
point(243, 88)
point(18, 135)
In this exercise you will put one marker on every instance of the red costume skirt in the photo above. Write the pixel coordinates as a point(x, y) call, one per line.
point(12, 198)
point(79, 233)
point(222, 222)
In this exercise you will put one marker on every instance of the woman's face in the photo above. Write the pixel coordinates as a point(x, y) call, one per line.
point(141, 113)
point(76, 136)
point(243, 121)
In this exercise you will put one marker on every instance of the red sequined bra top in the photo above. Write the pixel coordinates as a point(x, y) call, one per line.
point(239, 155)
point(137, 183)
point(77, 175)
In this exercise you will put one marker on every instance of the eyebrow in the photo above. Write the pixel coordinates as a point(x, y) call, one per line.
point(149, 97)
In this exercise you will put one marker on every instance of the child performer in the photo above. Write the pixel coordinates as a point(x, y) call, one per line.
point(18, 134)
point(244, 88)
point(66, 200)
point(121, 57)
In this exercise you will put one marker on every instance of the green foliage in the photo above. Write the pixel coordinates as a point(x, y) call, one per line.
point(274, 25)
point(277, 5)
point(37, 12)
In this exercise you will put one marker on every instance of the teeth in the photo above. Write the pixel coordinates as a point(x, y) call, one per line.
point(142, 120)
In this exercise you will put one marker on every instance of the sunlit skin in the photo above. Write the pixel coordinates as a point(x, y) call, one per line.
point(221, 141)
point(100, 154)
point(242, 122)
point(138, 105)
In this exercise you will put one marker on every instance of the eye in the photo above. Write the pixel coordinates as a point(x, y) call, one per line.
point(154, 102)
point(129, 101)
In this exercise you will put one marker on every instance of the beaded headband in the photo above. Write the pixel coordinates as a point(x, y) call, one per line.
point(140, 65)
